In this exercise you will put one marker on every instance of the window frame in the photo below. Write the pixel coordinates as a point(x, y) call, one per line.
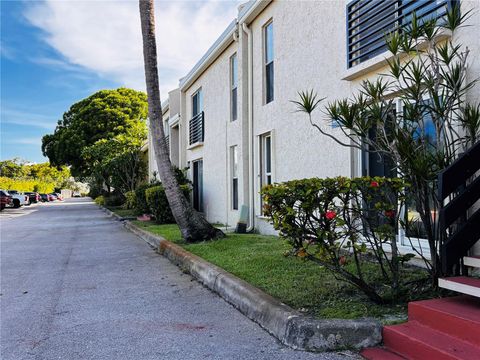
point(401, 236)
point(268, 63)
point(197, 98)
point(266, 173)
point(166, 132)
point(199, 94)
point(234, 87)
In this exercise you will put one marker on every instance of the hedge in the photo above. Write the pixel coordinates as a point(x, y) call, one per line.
point(100, 200)
point(141, 201)
point(158, 204)
point(339, 221)
point(130, 200)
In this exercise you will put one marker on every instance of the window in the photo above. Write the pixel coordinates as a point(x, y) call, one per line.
point(377, 164)
point(423, 129)
point(197, 123)
point(166, 130)
point(197, 103)
point(198, 185)
point(269, 72)
point(234, 172)
point(266, 159)
point(265, 162)
point(233, 87)
point(369, 20)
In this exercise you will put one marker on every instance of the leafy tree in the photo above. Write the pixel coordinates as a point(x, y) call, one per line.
point(428, 76)
point(11, 168)
point(101, 116)
point(119, 161)
point(192, 224)
point(59, 176)
point(34, 177)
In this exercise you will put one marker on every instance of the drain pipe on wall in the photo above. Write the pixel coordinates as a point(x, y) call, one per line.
point(251, 224)
point(228, 166)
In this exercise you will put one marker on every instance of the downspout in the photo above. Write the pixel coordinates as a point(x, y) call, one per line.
point(251, 224)
point(227, 155)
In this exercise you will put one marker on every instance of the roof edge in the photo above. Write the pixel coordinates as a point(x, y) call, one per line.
point(251, 10)
point(246, 13)
point(225, 39)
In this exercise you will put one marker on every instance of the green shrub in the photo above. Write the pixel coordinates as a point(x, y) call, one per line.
point(114, 199)
point(100, 200)
point(181, 176)
point(130, 200)
point(340, 221)
point(95, 191)
point(141, 206)
point(158, 203)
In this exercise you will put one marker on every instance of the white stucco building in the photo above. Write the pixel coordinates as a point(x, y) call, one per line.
point(232, 123)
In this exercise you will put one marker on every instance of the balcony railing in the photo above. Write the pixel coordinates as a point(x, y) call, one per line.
point(459, 184)
point(197, 128)
point(368, 21)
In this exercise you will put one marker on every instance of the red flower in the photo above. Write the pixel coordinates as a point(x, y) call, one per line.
point(390, 213)
point(330, 214)
point(374, 184)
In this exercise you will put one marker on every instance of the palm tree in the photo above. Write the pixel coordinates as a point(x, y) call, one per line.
point(192, 224)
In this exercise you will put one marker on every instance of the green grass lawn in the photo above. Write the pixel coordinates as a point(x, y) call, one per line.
point(303, 285)
point(119, 210)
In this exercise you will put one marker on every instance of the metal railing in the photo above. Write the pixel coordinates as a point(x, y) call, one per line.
point(167, 141)
point(368, 21)
point(197, 129)
point(459, 219)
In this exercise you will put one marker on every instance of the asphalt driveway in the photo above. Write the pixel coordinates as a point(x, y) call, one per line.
point(76, 285)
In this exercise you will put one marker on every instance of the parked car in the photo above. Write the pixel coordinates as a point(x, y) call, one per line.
point(34, 197)
point(19, 198)
point(5, 199)
point(52, 197)
point(44, 197)
point(76, 194)
point(59, 196)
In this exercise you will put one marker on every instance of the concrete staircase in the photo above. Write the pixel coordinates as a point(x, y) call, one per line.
point(437, 329)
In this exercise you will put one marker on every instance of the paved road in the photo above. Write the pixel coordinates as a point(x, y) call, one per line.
point(77, 285)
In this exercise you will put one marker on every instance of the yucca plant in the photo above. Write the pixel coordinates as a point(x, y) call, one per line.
point(427, 76)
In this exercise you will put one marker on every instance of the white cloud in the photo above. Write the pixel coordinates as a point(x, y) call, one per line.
point(17, 117)
point(105, 36)
point(25, 141)
point(6, 51)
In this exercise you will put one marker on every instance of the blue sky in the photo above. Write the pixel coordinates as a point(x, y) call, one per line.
point(54, 53)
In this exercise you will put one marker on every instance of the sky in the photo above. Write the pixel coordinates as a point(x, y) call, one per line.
point(54, 53)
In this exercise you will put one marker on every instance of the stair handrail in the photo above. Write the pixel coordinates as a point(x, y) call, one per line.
point(459, 223)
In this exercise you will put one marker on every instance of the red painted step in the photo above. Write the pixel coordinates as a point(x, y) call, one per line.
point(380, 354)
point(461, 284)
point(415, 341)
point(457, 316)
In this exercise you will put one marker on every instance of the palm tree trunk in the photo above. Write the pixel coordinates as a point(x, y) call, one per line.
point(192, 224)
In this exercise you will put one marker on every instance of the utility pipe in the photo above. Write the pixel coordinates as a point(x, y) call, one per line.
point(251, 224)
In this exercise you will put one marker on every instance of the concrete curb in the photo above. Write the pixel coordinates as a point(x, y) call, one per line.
point(288, 325)
point(111, 213)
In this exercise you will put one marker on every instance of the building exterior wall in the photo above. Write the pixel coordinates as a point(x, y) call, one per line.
point(220, 134)
point(310, 52)
point(302, 61)
point(172, 128)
